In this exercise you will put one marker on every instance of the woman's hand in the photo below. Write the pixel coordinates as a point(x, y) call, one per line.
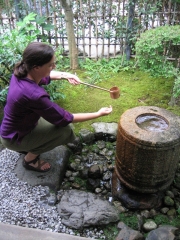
point(81, 117)
point(73, 79)
point(105, 111)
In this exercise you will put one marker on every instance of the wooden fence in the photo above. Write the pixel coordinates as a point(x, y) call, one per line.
point(100, 26)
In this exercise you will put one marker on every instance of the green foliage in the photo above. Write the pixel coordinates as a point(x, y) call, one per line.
point(175, 222)
point(161, 219)
point(13, 42)
point(130, 220)
point(81, 182)
point(12, 45)
point(54, 90)
point(155, 46)
point(102, 69)
point(3, 96)
point(62, 62)
point(176, 88)
point(110, 231)
point(164, 220)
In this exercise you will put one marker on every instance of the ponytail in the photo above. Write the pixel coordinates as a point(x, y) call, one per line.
point(20, 70)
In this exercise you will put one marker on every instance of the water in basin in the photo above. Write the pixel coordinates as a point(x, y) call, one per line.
point(152, 122)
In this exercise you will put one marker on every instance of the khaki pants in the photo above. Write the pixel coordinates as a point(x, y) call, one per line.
point(44, 137)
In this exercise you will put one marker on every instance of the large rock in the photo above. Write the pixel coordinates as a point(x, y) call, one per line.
point(128, 233)
point(80, 209)
point(58, 158)
point(165, 232)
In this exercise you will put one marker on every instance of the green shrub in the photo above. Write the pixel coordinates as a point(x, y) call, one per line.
point(155, 46)
point(12, 45)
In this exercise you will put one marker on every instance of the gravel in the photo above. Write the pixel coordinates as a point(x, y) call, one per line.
point(26, 206)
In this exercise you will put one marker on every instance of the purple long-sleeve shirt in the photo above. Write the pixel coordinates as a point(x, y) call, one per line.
point(26, 103)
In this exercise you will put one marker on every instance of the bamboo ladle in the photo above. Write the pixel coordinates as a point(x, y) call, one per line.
point(114, 91)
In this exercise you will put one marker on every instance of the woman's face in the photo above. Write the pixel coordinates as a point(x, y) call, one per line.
point(48, 67)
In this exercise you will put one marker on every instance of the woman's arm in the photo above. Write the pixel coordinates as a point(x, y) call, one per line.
point(81, 117)
point(72, 78)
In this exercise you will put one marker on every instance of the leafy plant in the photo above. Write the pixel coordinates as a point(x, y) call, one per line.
point(161, 219)
point(12, 44)
point(3, 96)
point(176, 88)
point(54, 90)
point(130, 221)
point(102, 69)
point(110, 231)
point(62, 62)
point(155, 46)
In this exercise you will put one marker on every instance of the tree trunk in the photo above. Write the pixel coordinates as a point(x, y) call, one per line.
point(73, 51)
point(129, 28)
point(18, 15)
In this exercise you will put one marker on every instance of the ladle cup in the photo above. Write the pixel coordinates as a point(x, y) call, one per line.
point(114, 91)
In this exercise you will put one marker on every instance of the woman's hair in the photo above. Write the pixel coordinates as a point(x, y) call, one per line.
point(35, 54)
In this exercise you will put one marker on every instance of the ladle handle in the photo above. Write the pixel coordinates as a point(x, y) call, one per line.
point(104, 89)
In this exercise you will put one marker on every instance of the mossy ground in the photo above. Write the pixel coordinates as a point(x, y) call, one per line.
point(137, 89)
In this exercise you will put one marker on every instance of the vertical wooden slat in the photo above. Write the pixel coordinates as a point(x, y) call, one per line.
point(96, 30)
point(61, 35)
point(152, 26)
point(103, 24)
point(40, 12)
point(115, 37)
point(161, 15)
point(90, 30)
point(123, 19)
point(173, 14)
point(169, 12)
point(58, 22)
point(35, 7)
point(48, 20)
point(26, 8)
point(79, 9)
point(8, 14)
point(40, 8)
point(82, 11)
point(55, 24)
point(1, 15)
point(109, 27)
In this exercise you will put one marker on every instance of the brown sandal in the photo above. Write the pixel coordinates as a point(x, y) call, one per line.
point(34, 161)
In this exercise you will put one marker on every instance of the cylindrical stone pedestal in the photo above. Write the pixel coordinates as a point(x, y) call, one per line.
point(147, 149)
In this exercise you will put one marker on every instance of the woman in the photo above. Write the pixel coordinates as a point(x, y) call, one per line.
point(32, 123)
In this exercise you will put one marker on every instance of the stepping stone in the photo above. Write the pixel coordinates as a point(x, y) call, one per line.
point(58, 158)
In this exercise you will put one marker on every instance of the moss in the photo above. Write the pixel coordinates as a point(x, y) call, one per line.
point(161, 219)
point(137, 89)
point(129, 220)
point(110, 231)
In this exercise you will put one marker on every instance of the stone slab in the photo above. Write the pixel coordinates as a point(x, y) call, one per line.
point(58, 158)
point(11, 232)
